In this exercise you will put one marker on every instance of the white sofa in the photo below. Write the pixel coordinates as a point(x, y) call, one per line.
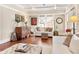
point(58, 47)
point(39, 30)
point(74, 45)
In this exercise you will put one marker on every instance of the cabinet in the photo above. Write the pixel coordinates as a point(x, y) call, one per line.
point(18, 31)
point(22, 32)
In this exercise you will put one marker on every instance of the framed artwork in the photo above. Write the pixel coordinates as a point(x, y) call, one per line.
point(34, 21)
point(17, 18)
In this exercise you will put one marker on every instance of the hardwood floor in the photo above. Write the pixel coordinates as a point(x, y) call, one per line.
point(30, 40)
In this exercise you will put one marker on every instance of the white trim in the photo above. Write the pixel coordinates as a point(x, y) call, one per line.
point(14, 9)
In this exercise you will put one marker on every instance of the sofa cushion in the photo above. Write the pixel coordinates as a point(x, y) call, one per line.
point(68, 40)
point(48, 29)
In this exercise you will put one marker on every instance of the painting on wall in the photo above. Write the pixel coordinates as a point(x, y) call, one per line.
point(34, 21)
point(19, 18)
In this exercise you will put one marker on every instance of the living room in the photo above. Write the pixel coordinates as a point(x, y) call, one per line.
point(38, 24)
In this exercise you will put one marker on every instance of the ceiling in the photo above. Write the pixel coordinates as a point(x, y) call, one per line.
point(30, 6)
point(41, 8)
point(45, 8)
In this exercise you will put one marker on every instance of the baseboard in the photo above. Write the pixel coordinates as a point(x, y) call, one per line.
point(4, 41)
point(48, 36)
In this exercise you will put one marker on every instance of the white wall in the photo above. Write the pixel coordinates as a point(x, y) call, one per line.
point(7, 22)
point(60, 27)
point(38, 17)
point(77, 24)
point(0, 23)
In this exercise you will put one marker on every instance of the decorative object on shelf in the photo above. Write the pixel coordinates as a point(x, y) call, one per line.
point(34, 21)
point(59, 20)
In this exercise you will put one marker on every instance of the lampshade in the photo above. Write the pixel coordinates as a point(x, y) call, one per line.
point(74, 18)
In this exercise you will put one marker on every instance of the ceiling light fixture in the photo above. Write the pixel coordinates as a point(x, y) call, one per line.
point(55, 6)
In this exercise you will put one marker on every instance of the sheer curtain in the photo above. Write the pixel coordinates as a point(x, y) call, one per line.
point(45, 21)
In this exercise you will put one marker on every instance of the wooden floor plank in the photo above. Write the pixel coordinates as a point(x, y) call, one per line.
point(30, 40)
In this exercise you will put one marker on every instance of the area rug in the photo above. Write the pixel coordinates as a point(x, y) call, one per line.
point(33, 49)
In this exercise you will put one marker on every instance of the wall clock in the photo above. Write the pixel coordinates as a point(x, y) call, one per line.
point(59, 20)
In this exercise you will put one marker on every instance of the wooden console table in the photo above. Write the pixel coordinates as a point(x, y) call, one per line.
point(18, 31)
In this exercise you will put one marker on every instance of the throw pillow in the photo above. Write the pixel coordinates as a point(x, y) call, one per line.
point(68, 40)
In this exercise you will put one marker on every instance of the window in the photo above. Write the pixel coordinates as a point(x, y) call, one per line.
point(45, 21)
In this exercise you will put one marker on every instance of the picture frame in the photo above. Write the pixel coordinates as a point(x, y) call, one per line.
point(17, 18)
point(33, 21)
